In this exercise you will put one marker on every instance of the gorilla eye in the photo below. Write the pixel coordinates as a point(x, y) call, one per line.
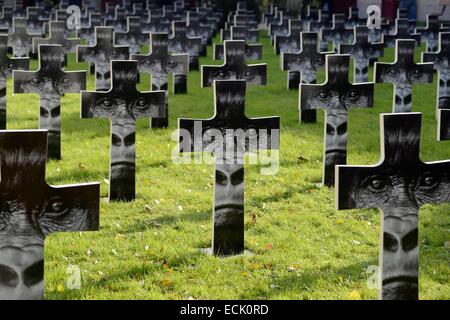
point(323, 95)
point(172, 63)
point(353, 95)
point(222, 75)
point(429, 180)
point(377, 183)
point(248, 74)
point(130, 139)
point(237, 177)
point(10, 66)
point(65, 81)
point(221, 178)
point(56, 207)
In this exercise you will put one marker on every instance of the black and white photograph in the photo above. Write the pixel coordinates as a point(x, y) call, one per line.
point(239, 33)
point(402, 32)
point(291, 42)
point(399, 185)
point(133, 36)
point(122, 104)
point(50, 82)
point(32, 210)
point(336, 96)
point(338, 34)
point(252, 51)
point(234, 67)
point(404, 73)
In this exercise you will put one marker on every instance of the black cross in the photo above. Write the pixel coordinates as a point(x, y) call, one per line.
point(220, 134)
point(57, 35)
point(441, 63)
point(403, 73)
point(353, 18)
point(399, 185)
point(444, 124)
point(101, 54)
point(239, 33)
point(291, 42)
point(32, 210)
point(180, 42)
point(363, 52)
point(51, 82)
point(7, 65)
point(324, 21)
point(20, 40)
point(159, 63)
point(430, 34)
point(133, 37)
point(336, 96)
point(122, 105)
point(252, 51)
point(244, 20)
point(401, 32)
point(302, 66)
point(280, 28)
point(234, 67)
point(338, 34)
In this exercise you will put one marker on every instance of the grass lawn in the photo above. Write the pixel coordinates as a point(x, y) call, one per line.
point(302, 248)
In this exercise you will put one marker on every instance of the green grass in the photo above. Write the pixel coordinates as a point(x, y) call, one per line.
point(302, 248)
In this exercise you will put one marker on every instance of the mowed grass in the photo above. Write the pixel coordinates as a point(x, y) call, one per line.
point(301, 246)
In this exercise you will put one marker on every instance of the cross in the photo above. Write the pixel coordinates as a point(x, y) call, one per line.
point(34, 25)
point(252, 51)
point(303, 66)
point(363, 52)
point(155, 23)
point(353, 18)
point(32, 210)
point(196, 29)
point(88, 33)
point(338, 34)
point(399, 185)
point(336, 96)
point(159, 63)
point(291, 42)
point(133, 37)
point(119, 21)
point(239, 33)
point(101, 54)
point(401, 32)
point(57, 35)
point(403, 73)
point(20, 40)
point(180, 42)
point(234, 67)
point(122, 105)
point(279, 28)
point(229, 125)
point(50, 82)
point(324, 21)
point(7, 65)
point(441, 63)
point(444, 124)
point(6, 19)
point(430, 33)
